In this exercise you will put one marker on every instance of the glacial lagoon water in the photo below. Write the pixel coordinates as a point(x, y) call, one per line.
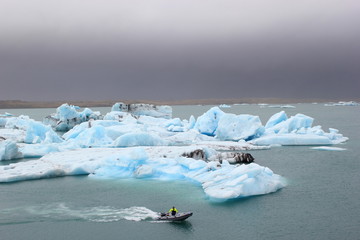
point(322, 200)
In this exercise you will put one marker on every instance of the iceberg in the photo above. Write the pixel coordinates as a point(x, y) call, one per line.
point(220, 181)
point(67, 116)
point(281, 106)
point(138, 139)
point(276, 119)
point(208, 122)
point(140, 109)
point(296, 130)
point(120, 116)
point(224, 106)
point(342, 103)
point(326, 148)
point(233, 127)
point(196, 150)
point(34, 131)
point(9, 150)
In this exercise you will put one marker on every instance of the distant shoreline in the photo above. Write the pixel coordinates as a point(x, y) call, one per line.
point(11, 104)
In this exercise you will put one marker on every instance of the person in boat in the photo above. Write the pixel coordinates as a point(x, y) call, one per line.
point(173, 211)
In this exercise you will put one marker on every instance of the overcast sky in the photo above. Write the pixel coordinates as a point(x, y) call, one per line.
point(179, 49)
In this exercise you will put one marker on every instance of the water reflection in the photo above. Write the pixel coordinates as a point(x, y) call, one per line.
point(184, 226)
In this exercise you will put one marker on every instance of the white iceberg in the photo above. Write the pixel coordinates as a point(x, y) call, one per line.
point(9, 150)
point(140, 109)
point(138, 139)
point(208, 122)
point(281, 106)
point(233, 127)
point(120, 116)
point(34, 131)
point(342, 103)
point(67, 116)
point(224, 106)
point(219, 181)
point(108, 148)
point(296, 130)
point(327, 148)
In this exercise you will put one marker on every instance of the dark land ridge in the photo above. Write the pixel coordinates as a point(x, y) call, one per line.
point(7, 104)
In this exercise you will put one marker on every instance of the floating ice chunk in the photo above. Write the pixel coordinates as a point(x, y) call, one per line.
point(120, 116)
point(208, 122)
point(39, 133)
point(9, 150)
point(219, 181)
point(67, 116)
point(192, 122)
point(242, 181)
point(35, 132)
point(326, 148)
point(281, 106)
point(292, 124)
point(139, 109)
point(224, 106)
point(342, 103)
point(138, 139)
point(3, 122)
point(236, 127)
point(73, 133)
point(93, 137)
point(276, 119)
point(175, 125)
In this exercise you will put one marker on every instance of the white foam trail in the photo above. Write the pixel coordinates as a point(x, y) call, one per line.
point(63, 212)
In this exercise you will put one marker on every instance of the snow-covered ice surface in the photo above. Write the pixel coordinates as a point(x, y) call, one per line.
point(109, 147)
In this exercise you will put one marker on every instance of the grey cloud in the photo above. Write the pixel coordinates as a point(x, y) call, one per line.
point(235, 49)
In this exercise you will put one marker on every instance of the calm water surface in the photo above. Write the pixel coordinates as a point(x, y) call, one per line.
point(322, 200)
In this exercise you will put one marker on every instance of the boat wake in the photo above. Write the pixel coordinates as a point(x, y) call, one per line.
point(63, 212)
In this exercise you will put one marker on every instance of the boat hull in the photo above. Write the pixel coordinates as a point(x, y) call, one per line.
point(177, 217)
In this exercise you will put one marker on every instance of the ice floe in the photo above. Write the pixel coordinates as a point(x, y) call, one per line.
point(67, 116)
point(9, 150)
point(342, 103)
point(220, 181)
point(327, 148)
point(139, 109)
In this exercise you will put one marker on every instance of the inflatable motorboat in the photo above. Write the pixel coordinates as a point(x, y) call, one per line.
point(176, 217)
